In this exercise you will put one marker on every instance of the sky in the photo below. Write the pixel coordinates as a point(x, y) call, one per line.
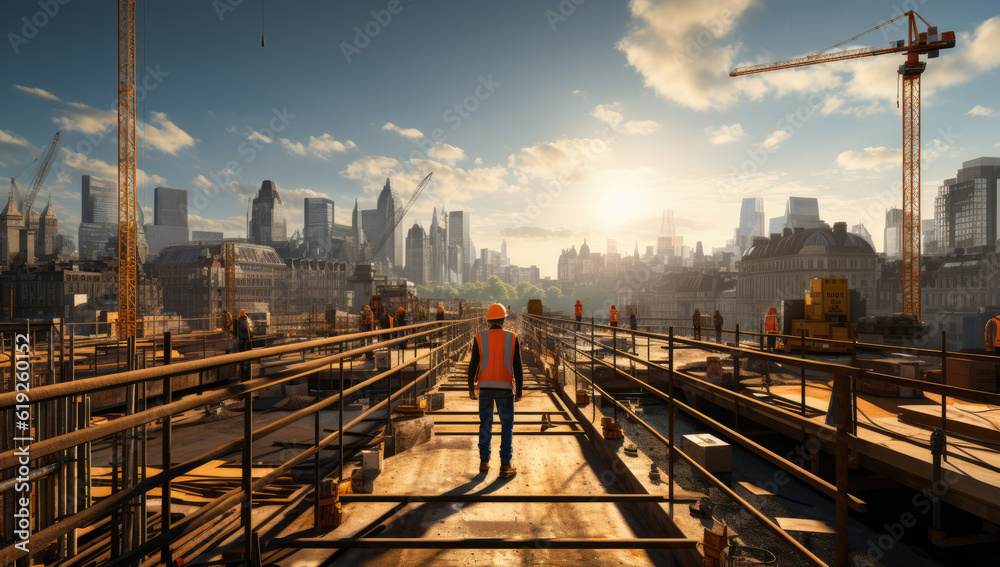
point(549, 121)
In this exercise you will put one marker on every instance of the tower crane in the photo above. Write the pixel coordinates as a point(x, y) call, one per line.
point(25, 197)
point(917, 43)
point(127, 218)
point(387, 231)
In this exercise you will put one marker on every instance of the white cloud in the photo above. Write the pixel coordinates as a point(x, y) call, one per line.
point(446, 152)
point(411, 133)
point(684, 48)
point(87, 119)
point(973, 55)
point(774, 139)
point(980, 110)
point(167, 137)
point(35, 91)
point(611, 115)
point(567, 159)
point(257, 136)
point(725, 133)
point(11, 142)
point(321, 147)
point(161, 135)
point(326, 145)
point(874, 159)
point(89, 166)
point(297, 148)
point(371, 169)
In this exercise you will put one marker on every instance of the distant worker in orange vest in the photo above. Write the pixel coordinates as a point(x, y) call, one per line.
point(440, 312)
point(696, 324)
point(992, 338)
point(496, 378)
point(613, 316)
point(578, 312)
point(771, 327)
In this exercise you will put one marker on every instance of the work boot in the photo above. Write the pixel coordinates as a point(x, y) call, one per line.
point(484, 466)
point(507, 471)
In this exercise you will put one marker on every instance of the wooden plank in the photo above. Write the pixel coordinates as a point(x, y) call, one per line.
point(979, 425)
point(754, 489)
point(804, 525)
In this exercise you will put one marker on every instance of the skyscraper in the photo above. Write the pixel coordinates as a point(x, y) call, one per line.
point(863, 232)
point(893, 233)
point(438, 254)
point(667, 227)
point(459, 224)
point(751, 222)
point(417, 265)
point(803, 212)
point(966, 207)
point(99, 218)
point(170, 208)
point(318, 225)
point(267, 217)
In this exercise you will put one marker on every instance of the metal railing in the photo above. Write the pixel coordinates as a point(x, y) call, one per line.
point(54, 450)
point(580, 352)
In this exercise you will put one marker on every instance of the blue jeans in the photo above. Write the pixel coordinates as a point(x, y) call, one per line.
point(504, 400)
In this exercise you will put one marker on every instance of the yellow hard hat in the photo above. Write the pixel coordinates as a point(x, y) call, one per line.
point(496, 311)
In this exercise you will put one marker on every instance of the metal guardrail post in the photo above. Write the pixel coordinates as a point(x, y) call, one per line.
point(316, 472)
point(593, 378)
point(247, 482)
point(340, 416)
point(614, 364)
point(841, 411)
point(166, 507)
point(944, 397)
point(670, 426)
point(736, 383)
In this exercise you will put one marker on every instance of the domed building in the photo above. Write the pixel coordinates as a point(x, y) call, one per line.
point(780, 267)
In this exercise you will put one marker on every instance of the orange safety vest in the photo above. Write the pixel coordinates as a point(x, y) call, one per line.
point(992, 338)
point(441, 309)
point(578, 310)
point(496, 359)
point(613, 315)
point(771, 321)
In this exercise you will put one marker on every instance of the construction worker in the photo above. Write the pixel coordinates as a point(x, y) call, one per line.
point(696, 324)
point(771, 327)
point(717, 322)
point(578, 311)
point(440, 312)
point(992, 337)
point(496, 378)
point(613, 316)
point(244, 331)
point(632, 323)
point(244, 335)
point(367, 324)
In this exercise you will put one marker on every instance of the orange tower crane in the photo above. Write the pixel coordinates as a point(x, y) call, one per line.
point(917, 44)
point(127, 218)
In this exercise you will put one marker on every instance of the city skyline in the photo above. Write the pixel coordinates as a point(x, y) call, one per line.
point(590, 125)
